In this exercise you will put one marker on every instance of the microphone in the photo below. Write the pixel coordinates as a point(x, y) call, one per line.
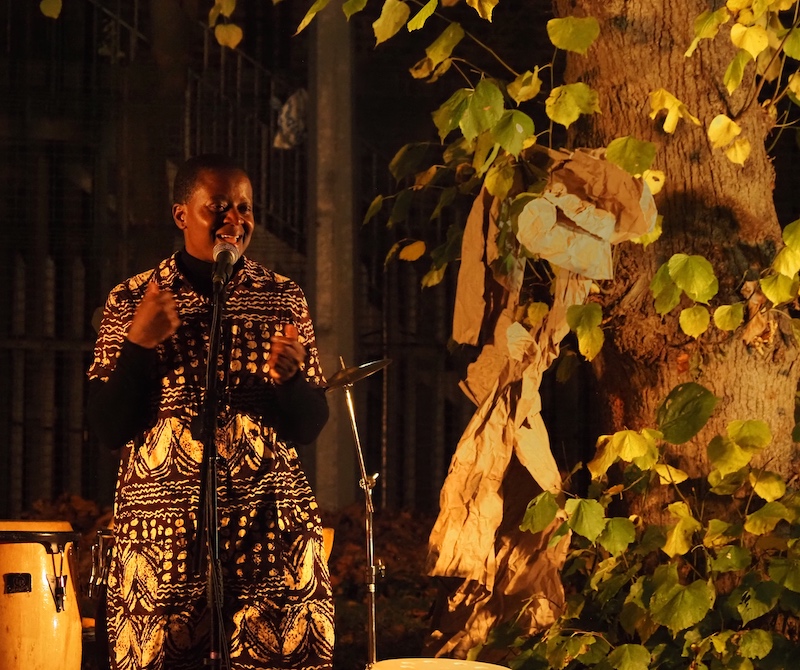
point(225, 256)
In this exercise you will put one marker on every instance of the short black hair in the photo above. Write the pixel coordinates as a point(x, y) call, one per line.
point(186, 178)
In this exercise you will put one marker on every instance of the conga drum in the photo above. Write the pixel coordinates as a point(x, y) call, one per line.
point(40, 623)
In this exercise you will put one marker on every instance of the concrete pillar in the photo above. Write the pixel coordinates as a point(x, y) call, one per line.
point(332, 242)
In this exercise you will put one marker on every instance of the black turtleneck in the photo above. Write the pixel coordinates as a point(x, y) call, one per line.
point(118, 409)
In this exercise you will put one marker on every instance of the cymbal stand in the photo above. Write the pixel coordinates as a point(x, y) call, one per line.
point(367, 483)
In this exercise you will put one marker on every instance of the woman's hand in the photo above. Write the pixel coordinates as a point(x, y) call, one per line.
point(286, 355)
point(156, 318)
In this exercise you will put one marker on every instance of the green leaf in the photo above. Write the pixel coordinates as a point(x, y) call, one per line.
point(500, 179)
point(374, 208)
point(768, 485)
point(679, 537)
point(764, 520)
point(629, 657)
point(786, 572)
point(50, 8)
point(540, 513)
point(353, 7)
point(685, 411)
point(584, 317)
point(791, 45)
point(561, 532)
point(779, 288)
point(629, 444)
point(573, 34)
point(756, 601)
point(752, 434)
point(719, 533)
point(512, 130)
point(526, 86)
point(678, 607)
point(731, 559)
point(617, 535)
point(446, 198)
point(665, 291)
point(408, 159)
point(484, 109)
point(316, 8)
point(584, 321)
point(729, 317)
point(394, 15)
point(727, 484)
point(438, 51)
point(586, 517)
point(632, 155)
point(450, 249)
point(695, 320)
point(423, 15)
point(755, 643)
point(706, 27)
point(566, 103)
point(449, 115)
point(735, 72)
point(694, 275)
point(402, 205)
point(727, 456)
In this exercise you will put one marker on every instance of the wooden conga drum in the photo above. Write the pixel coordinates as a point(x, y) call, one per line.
point(40, 623)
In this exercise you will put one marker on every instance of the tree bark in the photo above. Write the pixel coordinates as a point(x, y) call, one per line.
point(710, 206)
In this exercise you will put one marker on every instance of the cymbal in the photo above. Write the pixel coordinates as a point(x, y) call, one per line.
point(348, 376)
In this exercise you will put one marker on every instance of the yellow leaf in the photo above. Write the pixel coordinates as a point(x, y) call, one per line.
point(526, 86)
point(536, 312)
point(669, 475)
point(654, 180)
point(317, 7)
point(753, 39)
point(483, 7)
point(722, 131)
point(422, 179)
point(739, 151)
point(676, 110)
point(413, 251)
point(50, 8)
point(228, 35)
point(434, 276)
point(794, 83)
point(394, 15)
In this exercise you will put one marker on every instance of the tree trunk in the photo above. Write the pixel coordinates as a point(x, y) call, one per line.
point(710, 206)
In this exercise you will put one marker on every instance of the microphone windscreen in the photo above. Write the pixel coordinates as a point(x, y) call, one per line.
point(226, 246)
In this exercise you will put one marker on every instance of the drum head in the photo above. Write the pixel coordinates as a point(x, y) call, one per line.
point(433, 664)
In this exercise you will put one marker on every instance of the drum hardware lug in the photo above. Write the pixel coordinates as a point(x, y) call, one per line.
point(60, 592)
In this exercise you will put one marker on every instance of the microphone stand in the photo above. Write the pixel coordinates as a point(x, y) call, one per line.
point(367, 483)
point(208, 520)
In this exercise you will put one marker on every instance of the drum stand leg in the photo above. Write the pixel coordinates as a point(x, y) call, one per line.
point(367, 483)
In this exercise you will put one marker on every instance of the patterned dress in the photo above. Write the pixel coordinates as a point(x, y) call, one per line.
point(277, 608)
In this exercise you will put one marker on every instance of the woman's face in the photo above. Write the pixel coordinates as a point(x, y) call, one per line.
point(220, 209)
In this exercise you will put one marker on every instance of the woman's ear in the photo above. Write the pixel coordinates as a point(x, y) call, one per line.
point(179, 215)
